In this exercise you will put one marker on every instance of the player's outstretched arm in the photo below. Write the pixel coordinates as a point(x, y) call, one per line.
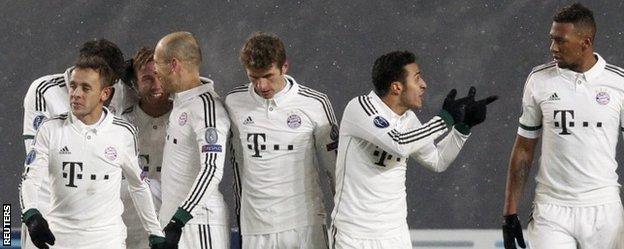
point(517, 174)
point(439, 157)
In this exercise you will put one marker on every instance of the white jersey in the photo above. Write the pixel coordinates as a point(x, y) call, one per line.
point(85, 165)
point(48, 96)
point(578, 116)
point(193, 157)
point(151, 140)
point(280, 143)
point(375, 144)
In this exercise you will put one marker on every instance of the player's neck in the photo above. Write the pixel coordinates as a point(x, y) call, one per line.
point(189, 81)
point(394, 103)
point(589, 60)
point(92, 117)
point(155, 109)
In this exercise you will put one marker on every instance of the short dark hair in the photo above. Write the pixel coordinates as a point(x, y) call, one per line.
point(100, 65)
point(108, 51)
point(580, 16)
point(389, 68)
point(140, 59)
point(262, 50)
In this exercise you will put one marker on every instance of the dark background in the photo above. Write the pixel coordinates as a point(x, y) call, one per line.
point(331, 46)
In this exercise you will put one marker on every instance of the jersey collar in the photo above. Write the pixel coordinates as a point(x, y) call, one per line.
point(80, 126)
point(290, 87)
point(588, 75)
point(193, 92)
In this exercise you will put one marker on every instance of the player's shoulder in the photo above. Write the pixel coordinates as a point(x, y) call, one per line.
point(615, 71)
point(544, 69)
point(123, 125)
point(128, 111)
point(43, 83)
point(237, 93)
point(54, 121)
point(313, 97)
point(361, 104)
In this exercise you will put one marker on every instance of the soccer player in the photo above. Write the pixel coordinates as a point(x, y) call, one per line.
point(48, 96)
point(193, 208)
point(84, 153)
point(150, 116)
point(378, 133)
point(576, 104)
point(286, 130)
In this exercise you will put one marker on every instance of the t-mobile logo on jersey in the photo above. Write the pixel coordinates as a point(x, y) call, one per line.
point(73, 166)
point(257, 146)
point(566, 121)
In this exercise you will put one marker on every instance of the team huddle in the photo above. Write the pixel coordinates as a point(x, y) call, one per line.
point(130, 153)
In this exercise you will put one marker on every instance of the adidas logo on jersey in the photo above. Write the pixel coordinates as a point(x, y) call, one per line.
point(64, 151)
point(248, 121)
point(553, 97)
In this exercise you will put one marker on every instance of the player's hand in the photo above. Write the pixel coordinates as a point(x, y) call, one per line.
point(454, 107)
point(173, 230)
point(477, 110)
point(38, 229)
point(512, 231)
point(157, 242)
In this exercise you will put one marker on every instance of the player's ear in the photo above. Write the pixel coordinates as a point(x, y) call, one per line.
point(284, 68)
point(396, 88)
point(107, 93)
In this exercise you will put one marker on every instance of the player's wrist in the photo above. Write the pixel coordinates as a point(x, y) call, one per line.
point(30, 214)
point(155, 239)
point(182, 216)
point(447, 118)
point(462, 128)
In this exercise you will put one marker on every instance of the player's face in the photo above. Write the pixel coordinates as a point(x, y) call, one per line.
point(86, 94)
point(267, 82)
point(566, 45)
point(163, 70)
point(414, 87)
point(150, 87)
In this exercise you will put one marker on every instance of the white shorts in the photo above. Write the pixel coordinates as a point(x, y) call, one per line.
point(562, 227)
point(110, 238)
point(195, 236)
point(342, 240)
point(308, 237)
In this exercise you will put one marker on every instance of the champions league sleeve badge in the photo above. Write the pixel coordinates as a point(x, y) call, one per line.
point(37, 121)
point(381, 122)
point(31, 157)
point(211, 135)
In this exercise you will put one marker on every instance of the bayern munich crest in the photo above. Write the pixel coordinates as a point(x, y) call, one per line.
point(293, 121)
point(182, 119)
point(603, 98)
point(110, 153)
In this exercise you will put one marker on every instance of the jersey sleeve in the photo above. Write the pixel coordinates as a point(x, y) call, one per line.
point(439, 157)
point(36, 168)
point(211, 126)
point(531, 118)
point(137, 186)
point(326, 139)
point(35, 112)
point(361, 120)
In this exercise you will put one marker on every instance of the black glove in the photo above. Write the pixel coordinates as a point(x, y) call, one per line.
point(455, 108)
point(512, 231)
point(38, 229)
point(476, 110)
point(173, 230)
point(157, 242)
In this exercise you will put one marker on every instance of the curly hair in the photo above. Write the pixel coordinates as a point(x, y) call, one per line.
point(389, 68)
point(262, 50)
